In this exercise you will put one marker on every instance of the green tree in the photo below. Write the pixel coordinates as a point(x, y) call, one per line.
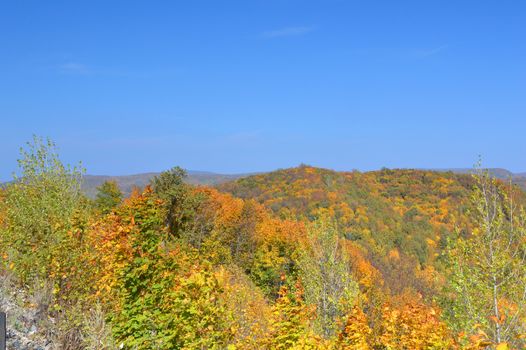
point(170, 183)
point(44, 214)
point(108, 197)
point(168, 298)
point(487, 284)
point(170, 187)
point(325, 273)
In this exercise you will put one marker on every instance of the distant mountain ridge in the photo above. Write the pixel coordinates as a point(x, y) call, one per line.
point(128, 182)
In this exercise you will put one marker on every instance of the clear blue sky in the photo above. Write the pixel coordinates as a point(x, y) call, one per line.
point(237, 86)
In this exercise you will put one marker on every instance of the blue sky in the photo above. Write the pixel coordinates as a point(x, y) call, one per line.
point(238, 86)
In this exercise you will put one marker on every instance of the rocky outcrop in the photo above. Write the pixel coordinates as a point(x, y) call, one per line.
point(22, 320)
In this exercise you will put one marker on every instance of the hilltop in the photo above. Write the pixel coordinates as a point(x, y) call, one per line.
point(128, 182)
point(404, 213)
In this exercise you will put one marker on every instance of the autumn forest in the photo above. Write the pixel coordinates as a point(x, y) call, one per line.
point(299, 258)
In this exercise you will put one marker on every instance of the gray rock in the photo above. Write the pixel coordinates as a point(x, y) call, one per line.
point(22, 331)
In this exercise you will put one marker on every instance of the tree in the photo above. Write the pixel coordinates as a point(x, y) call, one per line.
point(108, 197)
point(44, 213)
point(169, 183)
point(413, 326)
point(290, 322)
point(487, 285)
point(179, 201)
point(167, 298)
point(42, 232)
point(355, 333)
point(326, 275)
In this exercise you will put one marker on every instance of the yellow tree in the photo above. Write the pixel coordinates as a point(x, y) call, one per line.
point(290, 322)
point(356, 333)
point(413, 326)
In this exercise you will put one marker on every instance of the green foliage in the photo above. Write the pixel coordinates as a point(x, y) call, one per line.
point(487, 283)
point(180, 204)
point(269, 266)
point(45, 215)
point(167, 298)
point(326, 275)
point(184, 312)
point(42, 231)
point(108, 197)
point(169, 183)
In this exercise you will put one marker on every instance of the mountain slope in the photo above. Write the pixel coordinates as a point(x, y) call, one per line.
point(401, 218)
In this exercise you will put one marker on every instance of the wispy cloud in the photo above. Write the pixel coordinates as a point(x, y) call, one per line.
point(288, 31)
point(430, 52)
point(73, 68)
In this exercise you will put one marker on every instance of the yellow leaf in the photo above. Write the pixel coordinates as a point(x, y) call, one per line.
point(502, 346)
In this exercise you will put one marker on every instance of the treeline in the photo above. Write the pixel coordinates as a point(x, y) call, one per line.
point(302, 258)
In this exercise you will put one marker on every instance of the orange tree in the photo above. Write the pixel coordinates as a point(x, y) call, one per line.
point(159, 292)
point(413, 326)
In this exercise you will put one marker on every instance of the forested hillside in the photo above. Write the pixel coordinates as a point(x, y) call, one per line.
point(126, 183)
point(407, 214)
point(301, 258)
